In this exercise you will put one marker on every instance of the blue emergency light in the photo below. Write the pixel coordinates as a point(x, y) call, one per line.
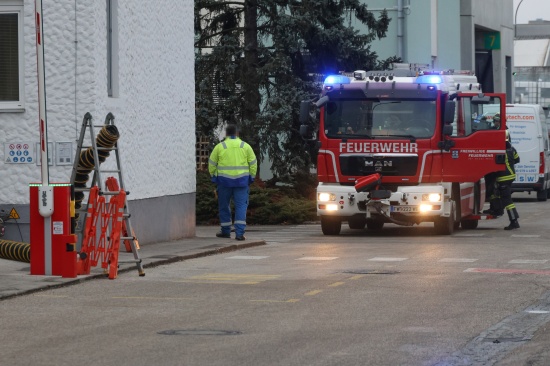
point(429, 79)
point(337, 79)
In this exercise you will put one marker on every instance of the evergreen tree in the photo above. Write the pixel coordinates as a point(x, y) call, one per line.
point(257, 59)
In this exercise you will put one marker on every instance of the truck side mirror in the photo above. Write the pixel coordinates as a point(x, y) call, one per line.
point(447, 130)
point(449, 113)
point(304, 112)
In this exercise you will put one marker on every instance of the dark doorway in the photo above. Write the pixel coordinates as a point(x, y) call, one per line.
point(484, 70)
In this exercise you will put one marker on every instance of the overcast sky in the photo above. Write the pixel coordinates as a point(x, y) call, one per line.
point(531, 10)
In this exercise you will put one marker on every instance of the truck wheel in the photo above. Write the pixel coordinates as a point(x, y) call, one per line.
point(331, 225)
point(469, 224)
point(446, 225)
point(375, 225)
point(542, 195)
point(357, 222)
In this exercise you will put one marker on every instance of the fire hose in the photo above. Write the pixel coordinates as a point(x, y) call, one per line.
point(15, 251)
point(105, 141)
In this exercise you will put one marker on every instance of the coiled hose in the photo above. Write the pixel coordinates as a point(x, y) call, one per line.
point(106, 140)
point(15, 251)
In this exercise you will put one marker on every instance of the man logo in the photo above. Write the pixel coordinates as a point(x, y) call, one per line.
point(388, 163)
point(369, 163)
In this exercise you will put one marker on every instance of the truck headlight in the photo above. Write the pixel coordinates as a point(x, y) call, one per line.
point(332, 207)
point(325, 197)
point(431, 197)
point(425, 208)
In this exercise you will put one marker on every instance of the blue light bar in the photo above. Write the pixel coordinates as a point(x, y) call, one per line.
point(429, 79)
point(337, 79)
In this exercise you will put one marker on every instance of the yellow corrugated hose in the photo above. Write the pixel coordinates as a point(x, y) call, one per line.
point(16, 251)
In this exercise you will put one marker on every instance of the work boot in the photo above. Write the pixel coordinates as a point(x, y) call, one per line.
point(514, 224)
point(219, 234)
point(240, 237)
point(513, 216)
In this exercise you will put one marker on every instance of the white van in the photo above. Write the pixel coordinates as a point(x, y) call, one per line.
point(529, 134)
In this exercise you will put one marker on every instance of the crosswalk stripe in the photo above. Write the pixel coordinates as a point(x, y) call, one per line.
point(457, 260)
point(528, 261)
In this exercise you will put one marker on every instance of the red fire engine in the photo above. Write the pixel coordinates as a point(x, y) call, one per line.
point(404, 146)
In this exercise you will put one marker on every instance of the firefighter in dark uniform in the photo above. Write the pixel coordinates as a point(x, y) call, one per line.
point(492, 194)
point(504, 183)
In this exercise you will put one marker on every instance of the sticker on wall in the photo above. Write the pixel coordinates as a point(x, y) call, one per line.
point(50, 153)
point(63, 153)
point(18, 153)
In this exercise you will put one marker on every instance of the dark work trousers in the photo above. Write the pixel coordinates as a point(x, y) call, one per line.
point(505, 190)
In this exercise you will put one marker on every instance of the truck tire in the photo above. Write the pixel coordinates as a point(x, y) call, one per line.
point(469, 224)
point(331, 225)
point(542, 195)
point(357, 222)
point(375, 225)
point(446, 225)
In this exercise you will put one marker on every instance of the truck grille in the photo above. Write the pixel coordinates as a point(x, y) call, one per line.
point(385, 165)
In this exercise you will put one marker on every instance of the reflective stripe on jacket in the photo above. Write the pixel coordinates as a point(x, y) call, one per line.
point(232, 163)
point(512, 158)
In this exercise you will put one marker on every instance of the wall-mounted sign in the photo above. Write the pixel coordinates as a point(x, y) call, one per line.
point(492, 40)
point(18, 153)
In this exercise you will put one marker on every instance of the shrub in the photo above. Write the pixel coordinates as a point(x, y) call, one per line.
point(267, 206)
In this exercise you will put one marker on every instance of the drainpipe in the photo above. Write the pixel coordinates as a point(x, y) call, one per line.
point(400, 21)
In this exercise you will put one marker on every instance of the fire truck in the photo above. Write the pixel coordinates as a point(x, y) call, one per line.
point(404, 146)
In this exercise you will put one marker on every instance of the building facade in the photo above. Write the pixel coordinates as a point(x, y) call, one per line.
point(134, 59)
point(462, 35)
point(532, 63)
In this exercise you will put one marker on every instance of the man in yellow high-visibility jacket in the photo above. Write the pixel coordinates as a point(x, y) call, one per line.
point(232, 166)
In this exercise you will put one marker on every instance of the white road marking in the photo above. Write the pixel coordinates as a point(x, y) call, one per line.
point(387, 259)
point(457, 260)
point(469, 235)
point(537, 311)
point(525, 236)
point(316, 258)
point(528, 261)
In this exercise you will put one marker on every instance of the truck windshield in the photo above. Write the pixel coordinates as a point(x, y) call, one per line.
point(376, 119)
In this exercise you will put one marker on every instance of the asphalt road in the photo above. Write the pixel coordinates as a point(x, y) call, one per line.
point(401, 296)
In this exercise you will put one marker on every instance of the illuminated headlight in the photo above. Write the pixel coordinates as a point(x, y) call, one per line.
point(325, 197)
point(432, 197)
point(332, 207)
point(425, 208)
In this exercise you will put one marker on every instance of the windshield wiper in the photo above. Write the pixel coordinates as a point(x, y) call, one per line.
point(413, 138)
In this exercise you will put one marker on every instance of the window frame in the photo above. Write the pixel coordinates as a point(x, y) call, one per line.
point(11, 7)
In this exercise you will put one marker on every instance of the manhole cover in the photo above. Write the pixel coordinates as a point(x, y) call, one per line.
point(371, 271)
point(198, 332)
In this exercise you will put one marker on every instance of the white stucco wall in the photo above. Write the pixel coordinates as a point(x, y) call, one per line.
point(155, 107)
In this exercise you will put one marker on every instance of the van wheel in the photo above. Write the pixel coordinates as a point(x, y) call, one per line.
point(331, 225)
point(548, 193)
point(542, 195)
point(446, 225)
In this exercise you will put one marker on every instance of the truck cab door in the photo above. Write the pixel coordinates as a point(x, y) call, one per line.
point(473, 147)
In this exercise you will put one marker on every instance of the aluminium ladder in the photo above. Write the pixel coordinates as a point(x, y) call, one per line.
point(88, 126)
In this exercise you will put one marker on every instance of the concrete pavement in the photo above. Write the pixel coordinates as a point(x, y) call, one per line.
point(15, 278)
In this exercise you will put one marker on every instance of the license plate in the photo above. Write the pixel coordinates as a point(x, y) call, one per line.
point(404, 209)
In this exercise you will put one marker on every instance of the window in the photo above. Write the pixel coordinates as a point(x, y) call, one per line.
point(11, 58)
